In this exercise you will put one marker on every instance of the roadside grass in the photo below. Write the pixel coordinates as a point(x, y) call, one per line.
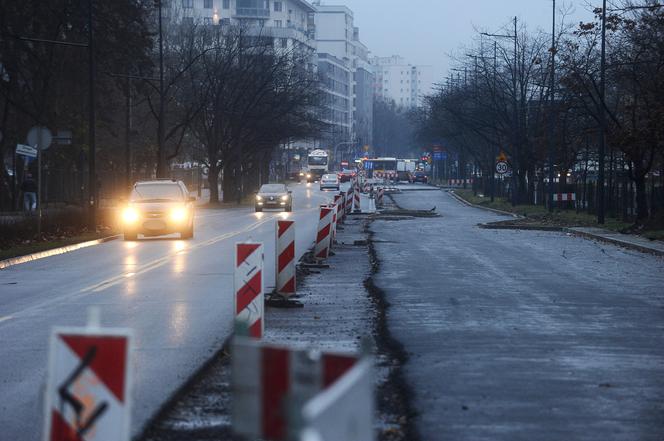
point(539, 214)
point(654, 235)
point(23, 249)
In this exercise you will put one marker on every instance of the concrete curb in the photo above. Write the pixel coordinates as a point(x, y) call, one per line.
point(582, 234)
point(618, 242)
point(465, 202)
point(54, 252)
point(523, 227)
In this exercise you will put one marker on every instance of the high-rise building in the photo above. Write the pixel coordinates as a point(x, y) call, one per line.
point(338, 39)
point(289, 22)
point(404, 84)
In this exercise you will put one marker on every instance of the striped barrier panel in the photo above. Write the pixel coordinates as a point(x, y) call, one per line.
point(286, 281)
point(323, 237)
point(379, 197)
point(249, 302)
point(88, 388)
point(270, 382)
point(564, 197)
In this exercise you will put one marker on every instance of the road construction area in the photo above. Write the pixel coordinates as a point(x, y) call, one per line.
point(473, 333)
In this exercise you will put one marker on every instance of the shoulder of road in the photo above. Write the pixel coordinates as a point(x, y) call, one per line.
point(628, 241)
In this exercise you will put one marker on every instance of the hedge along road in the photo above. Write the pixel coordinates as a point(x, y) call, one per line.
point(175, 295)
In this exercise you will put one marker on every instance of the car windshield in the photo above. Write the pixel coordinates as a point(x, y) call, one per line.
point(330, 177)
point(273, 188)
point(156, 193)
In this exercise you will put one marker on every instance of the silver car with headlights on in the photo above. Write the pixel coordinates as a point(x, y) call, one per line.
point(274, 196)
point(157, 208)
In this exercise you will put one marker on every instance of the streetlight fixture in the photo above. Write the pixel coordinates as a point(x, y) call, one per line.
point(552, 116)
point(515, 179)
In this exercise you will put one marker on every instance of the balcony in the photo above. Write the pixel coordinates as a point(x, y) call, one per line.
point(252, 13)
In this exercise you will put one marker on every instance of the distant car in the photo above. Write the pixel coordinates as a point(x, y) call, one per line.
point(329, 181)
point(346, 175)
point(274, 196)
point(419, 176)
point(157, 208)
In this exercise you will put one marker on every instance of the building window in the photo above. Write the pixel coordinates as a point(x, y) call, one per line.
point(278, 24)
point(187, 3)
point(278, 6)
point(284, 43)
point(207, 4)
point(227, 4)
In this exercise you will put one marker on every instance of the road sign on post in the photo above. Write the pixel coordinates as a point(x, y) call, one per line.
point(26, 150)
point(502, 167)
point(87, 396)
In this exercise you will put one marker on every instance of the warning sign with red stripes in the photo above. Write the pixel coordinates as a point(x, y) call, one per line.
point(269, 381)
point(87, 397)
point(249, 302)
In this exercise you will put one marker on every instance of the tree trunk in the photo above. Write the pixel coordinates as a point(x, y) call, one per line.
point(213, 181)
point(641, 198)
point(229, 184)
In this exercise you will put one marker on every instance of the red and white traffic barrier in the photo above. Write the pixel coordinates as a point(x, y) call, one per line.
point(88, 396)
point(324, 235)
point(349, 201)
point(564, 197)
point(367, 188)
point(249, 302)
point(379, 196)
point(356, 199)
point(338, 203)
point(270, 382)
point(286, 283)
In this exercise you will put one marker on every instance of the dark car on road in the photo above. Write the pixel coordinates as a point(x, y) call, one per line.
point(157, 208)
point(346, 175)
point(419, 176)
point(274, 196)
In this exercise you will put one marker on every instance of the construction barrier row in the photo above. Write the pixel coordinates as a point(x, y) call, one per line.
point(279, 393)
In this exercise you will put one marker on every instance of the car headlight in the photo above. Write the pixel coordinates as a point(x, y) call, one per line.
point(179, 214)
point(301, 174)
point(308, 175)
point(259, 197)
point(130, 215)
point(284, 198)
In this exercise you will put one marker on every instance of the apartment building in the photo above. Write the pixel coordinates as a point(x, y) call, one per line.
point(289, 22)
point(338, 39)
point(404, 84)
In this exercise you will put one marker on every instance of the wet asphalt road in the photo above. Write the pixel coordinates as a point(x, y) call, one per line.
point(175, 295)
point(522, 335)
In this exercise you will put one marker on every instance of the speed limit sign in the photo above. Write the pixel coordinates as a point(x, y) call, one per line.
point(501, 167)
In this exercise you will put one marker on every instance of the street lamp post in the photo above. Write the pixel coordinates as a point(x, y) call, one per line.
point(552, 119)
point(602, 123)
point(515, 159)
point(161, 159)
point(92, 165)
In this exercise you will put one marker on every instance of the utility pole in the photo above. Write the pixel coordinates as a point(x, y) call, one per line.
point(92, 170)
point(493, 149)
point(602, 123)
point(552, 115)
point(128, 137)
point(515, 117)
point(515, 160)
point(161, 153)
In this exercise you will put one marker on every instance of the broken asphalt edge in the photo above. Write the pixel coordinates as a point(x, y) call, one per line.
point(391, 347)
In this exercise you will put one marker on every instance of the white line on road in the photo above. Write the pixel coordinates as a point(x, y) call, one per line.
point(4, 319)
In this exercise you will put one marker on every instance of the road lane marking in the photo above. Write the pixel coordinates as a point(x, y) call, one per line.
point(5, 318)
point(86, 291)
point(157, 263)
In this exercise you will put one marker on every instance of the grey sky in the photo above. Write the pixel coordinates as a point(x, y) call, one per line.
point(426, 31)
